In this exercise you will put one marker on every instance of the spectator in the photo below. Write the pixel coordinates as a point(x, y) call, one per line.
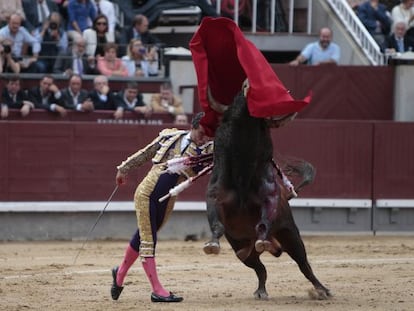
point(38, 13)
point(139, 30)
point(47, 96)
point(375, 19)
point(54, 41)
point(130, 99)
point(166, 101)
point(405, 12)
point(7, 8)
point(181, 119)
point(13, 97)
point(97, 37)
point(63, 10)
point(75, 61)
point(139, 61)
point(102, 97)
point(20, 37)
point(80, 15)
point(319, 52)
point(398, 41)
point(7, 61)
point(75, 97)
point(110, 65)
point(107, 8)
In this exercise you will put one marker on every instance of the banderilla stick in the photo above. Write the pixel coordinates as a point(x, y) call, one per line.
point(96, 222)
point(185, 184)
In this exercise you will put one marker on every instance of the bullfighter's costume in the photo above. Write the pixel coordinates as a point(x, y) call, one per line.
point(152, 212)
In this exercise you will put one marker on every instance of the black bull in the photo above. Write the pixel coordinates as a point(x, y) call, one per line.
point(245, 201)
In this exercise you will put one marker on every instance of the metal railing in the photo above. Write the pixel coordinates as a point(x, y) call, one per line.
point(276, 22)
point(273, 12)
point(357, 30)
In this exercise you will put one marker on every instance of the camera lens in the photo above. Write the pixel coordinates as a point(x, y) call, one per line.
point(53, 26)
point(7, 49)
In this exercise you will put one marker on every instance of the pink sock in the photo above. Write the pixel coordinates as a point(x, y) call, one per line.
point(130, 257)
point(151, 271)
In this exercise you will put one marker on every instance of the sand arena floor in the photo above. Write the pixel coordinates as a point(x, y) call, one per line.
point(363, 273)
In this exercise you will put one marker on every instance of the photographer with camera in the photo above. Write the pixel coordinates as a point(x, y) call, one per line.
point(54, 42)
point(21, 38)
point(37, 13)
point(7, 63)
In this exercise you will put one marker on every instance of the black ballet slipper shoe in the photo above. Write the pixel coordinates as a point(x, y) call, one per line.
point(170, 298)
point(115, 289)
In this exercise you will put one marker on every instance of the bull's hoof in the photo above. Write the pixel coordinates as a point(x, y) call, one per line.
point(264, 245)
point(259, 246)
point(261, 295)
point(211, 248)
point(319, 293)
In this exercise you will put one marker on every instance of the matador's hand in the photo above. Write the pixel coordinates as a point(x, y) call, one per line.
point(120, 178)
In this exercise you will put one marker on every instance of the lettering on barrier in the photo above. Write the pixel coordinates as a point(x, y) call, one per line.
point(131, 121)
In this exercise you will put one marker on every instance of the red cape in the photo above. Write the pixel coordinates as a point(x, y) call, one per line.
point(223, 59)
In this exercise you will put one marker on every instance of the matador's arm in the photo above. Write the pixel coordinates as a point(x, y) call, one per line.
point(140, 157)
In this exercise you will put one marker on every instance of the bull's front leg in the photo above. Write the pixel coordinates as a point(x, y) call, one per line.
point(216, 228)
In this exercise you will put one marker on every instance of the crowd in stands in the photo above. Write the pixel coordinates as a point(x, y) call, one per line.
point(44, 36)
point(76, 38)
point(392, 29)
point(49, 97)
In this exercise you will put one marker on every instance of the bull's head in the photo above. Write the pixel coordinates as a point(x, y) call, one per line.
point(279, 121)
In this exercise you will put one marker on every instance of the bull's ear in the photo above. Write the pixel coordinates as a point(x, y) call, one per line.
point(215, 105)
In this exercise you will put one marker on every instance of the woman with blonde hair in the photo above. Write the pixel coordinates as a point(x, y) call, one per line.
point(140, 60)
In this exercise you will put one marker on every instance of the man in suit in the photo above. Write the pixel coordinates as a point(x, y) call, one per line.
point(75, 61)
point(130, 99)
point(139, 30)
point(13, 97)
point(102, 97)
point(398, 41)
point(38, 13)
point(47, 96)
point(75, 97)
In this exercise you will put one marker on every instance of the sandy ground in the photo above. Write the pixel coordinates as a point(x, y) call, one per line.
point(363, 273)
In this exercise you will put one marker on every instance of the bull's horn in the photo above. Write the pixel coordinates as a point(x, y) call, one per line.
point(215, 105)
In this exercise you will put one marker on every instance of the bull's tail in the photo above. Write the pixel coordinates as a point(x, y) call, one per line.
point(300, 170)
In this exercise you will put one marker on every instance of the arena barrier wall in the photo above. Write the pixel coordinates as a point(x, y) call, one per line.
point(55, 177)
